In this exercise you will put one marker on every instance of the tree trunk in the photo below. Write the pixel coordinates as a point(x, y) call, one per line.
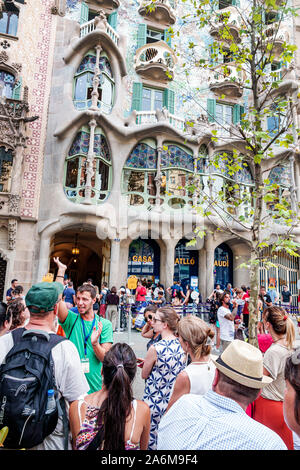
point(253, 301)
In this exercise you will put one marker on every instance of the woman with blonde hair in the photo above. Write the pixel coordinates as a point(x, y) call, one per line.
point(163, 362)
point(268, 407)
point(195, 337)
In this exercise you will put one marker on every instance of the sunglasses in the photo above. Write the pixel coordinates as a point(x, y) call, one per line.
point(148, 318)
point(157, 319)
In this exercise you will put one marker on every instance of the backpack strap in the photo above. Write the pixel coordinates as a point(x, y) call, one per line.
point(73, 327)
point(17, 334)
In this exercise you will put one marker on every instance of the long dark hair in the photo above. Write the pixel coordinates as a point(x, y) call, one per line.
point(119, 369)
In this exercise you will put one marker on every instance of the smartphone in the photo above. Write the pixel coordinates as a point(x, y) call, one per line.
point(140, 362)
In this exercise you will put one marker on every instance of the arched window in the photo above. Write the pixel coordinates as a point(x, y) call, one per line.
point(178, 174)
point(177, 165)
point(83, 83)
point(233, 183)
point(75, 168)
point(139, 174)
point(9, 18)
point(279, 184)
point(6, 163)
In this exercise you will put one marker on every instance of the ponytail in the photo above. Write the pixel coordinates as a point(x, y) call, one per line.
point(119, 368)
point(281, 323)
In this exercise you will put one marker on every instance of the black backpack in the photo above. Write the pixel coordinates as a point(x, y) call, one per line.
point(26, 375)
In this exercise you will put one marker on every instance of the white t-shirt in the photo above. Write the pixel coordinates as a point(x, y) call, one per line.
point(226, 326)
point(201, 376)
point(70, 381)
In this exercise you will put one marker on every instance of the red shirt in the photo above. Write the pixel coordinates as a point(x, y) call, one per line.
point(140, 297)
point(246, 306)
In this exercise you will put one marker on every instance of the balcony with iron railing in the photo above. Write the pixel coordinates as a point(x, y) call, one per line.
point(226, 24)
point(161, 12)
point(227, 79)
point(277, 36)
point(155, 61)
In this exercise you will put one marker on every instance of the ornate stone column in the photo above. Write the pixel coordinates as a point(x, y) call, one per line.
point(158, 176)
point(96, 80)
point(89, 170)
point(210, 258)
point(114, 271)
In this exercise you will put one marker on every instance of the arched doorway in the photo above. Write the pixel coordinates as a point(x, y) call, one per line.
point(144, 259)
point(85, 256)
point(186, 264)
point(223, 267)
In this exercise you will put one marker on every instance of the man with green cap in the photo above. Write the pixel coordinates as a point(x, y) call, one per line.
point(42, 300)
point(92, 335)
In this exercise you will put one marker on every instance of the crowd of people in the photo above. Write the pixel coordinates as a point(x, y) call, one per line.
point(205, 386)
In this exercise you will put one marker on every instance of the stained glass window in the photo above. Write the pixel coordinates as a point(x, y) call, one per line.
point(281, 175)
point(142, 156)
point(174, 156)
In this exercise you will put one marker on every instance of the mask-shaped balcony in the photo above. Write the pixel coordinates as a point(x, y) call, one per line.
point(227, 80)
point(162, 12)
point(99, 23)
point(155, 61)
point(277, 38)
point(226, 25)
point(107, 4)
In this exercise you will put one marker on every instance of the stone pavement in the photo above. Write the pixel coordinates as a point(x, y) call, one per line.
point(138, 344)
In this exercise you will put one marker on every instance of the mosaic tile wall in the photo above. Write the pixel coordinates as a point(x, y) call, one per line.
point(34, 50)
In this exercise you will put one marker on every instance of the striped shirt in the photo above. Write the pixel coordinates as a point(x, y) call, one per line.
point(213, 422)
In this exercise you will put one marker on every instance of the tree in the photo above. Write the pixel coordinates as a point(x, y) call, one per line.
point(250, 55)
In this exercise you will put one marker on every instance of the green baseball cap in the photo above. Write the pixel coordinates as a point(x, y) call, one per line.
point(43, 296)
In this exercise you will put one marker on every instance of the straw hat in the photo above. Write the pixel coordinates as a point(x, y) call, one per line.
point(243, 363)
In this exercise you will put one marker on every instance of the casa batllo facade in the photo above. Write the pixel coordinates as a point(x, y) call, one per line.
point(102, 159)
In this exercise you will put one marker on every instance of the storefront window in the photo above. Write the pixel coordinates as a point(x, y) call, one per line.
point(223, 268)
point(144, 259)
point(185, 264)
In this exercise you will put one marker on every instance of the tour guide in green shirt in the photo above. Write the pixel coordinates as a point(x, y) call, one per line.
point(92, 336)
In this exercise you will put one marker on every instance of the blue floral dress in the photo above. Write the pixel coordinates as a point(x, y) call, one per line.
point(171, 360)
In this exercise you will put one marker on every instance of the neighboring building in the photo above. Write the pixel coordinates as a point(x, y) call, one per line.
point(26, 52)
point(113, 158)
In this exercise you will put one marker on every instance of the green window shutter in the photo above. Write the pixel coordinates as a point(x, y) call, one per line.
point(238, 110)
point(112, 19)
point(141, 37)
point(137, 94)
point(16, 94)
point(84, 13)
point(242, 111)
point(236, 3)
point(211, 109)
point(169, 100)
point(167, 37)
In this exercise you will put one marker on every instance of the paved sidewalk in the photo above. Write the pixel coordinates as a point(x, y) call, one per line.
point(138, 344)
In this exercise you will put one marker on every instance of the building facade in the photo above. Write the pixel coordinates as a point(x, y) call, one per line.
point(108, 166)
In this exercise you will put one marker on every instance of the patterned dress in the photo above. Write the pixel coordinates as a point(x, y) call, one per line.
point(159, 385)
